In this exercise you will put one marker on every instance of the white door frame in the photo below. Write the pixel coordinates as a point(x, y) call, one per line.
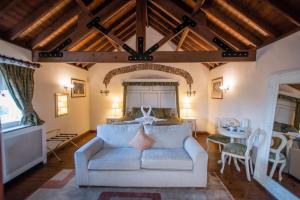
point(260, 174)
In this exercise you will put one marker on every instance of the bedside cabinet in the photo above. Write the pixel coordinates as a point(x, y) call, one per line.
point(111, 120)
point(193, 123)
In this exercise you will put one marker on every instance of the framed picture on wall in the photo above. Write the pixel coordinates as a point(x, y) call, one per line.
point(79, 88)
point(216, 92)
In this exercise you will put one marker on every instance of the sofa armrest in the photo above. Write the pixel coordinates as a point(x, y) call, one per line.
point(82, 156)
point(194, 149)
point(198, 155)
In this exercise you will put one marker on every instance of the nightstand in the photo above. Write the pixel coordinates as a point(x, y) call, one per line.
point(111, 120)
point(193, 123)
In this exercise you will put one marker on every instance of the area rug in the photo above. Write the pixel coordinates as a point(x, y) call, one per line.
point(63, 187)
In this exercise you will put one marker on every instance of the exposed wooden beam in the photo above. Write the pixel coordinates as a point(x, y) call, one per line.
point(116, 46)
point(230, 40)
point(141, 20)
point(83, 7)
point(159, 56)
point(6, 5)
point(177, 13)
point(35, 16)
point(182, 38)
point(233, 26)
point(104, 14)
point(198, 5)
point(250, 18)
point(73, 11)
point(290, 13)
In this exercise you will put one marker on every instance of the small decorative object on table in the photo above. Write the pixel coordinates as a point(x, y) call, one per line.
point(111, 120)
point(79, 89)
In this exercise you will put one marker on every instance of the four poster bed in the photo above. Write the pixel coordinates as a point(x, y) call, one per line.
point(161, 95)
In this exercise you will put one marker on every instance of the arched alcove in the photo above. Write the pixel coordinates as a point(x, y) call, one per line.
point(148, 66)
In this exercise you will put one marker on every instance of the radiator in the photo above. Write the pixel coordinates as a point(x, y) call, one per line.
point(21, 150)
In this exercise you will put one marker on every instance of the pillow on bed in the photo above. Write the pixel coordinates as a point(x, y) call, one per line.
point(158, 113)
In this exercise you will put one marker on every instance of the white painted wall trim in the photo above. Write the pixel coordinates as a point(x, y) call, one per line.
point(260, 174)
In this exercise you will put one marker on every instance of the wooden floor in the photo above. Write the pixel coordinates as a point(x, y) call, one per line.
point(27, 183)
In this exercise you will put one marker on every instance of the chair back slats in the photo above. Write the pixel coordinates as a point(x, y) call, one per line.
point(251, 139)
point(276, 136)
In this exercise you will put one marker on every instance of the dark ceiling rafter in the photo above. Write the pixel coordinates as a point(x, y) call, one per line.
point(73, 11)
point(221, 18)
point(250, 17)
point(104, 15)
point(177, 12)
point(288, 12)
point(226, 27)
point(45, 8)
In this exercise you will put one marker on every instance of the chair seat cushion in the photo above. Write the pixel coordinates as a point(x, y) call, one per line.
point(116, 159)
point(273, 156)
point(219, 138)
point(235, 148)
point(166, 159)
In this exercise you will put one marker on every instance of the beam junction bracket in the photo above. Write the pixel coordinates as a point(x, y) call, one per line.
point(56, 52)
point(228, 51)
point(146, 56)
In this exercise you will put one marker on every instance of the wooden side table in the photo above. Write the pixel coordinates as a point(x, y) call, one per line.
point(111, 120)
point(193, 123)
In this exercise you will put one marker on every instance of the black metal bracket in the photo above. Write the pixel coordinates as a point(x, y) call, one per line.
point(228, 51)
point(141, 44)
point(140, 57)
point(129, 49)
point(56, 52)
point(95, 23)
point(186, 22)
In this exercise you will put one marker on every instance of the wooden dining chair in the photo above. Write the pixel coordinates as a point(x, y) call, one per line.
point(240, 151)
point(279, 142)
point(217, 138)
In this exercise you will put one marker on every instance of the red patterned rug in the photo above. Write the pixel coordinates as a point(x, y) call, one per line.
point(62, 187)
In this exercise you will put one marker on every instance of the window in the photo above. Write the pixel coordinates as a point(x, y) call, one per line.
point(9, 112)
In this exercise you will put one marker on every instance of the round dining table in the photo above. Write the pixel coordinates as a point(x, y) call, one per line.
point(234, 134)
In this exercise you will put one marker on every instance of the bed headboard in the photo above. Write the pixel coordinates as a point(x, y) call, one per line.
point(161, 93)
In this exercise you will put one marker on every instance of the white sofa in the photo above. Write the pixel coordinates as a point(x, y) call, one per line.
point(175, 160)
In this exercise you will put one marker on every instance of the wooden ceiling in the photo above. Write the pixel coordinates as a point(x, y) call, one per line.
point(41, 25)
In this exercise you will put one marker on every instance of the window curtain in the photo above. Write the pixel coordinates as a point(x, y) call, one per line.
point(20, 84)
point(297, 116)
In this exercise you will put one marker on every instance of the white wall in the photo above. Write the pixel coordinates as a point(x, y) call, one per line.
point(248, 82)
point(101, 105)
point(48, 81)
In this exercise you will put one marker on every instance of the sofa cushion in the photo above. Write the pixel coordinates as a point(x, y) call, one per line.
point(169, 136)
point(166, 159)
point(115, 136)
point(116, 159)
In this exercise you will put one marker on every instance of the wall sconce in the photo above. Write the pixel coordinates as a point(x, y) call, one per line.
point(224, 88)
point(190, 92)
point(105, 92)
point(67, 86)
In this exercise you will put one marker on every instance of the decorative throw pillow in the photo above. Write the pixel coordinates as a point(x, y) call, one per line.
point(158, 113)
point(141, 141)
